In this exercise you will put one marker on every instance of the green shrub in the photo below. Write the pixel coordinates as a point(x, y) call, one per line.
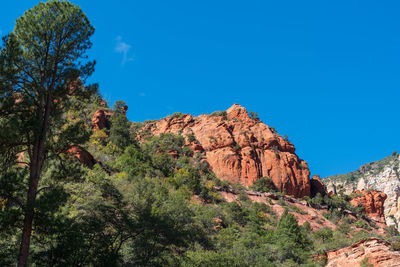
point(264, 184)
point(324, 234)
point(191, 138)
point(365, 263)
point(177, 115)
point(253, 115)
point(219, 114)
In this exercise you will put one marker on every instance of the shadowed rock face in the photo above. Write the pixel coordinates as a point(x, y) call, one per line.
point(241, 149)
point(101, 119)
point(317, 186)
point(373, 202)
point(377, 251)
point(82, 155)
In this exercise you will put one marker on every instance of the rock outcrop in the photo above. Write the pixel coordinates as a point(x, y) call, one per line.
point(240, 149)
point(317, 186)
point(299, 208)
point(101, 119)
point(383, 176)
point(373, 202)
point(82, 155)
point(377, 251)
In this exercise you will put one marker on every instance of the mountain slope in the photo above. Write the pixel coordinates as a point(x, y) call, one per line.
point(382, 175)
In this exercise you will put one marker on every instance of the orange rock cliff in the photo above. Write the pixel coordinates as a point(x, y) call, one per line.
point(373, 202)
point(240, 149)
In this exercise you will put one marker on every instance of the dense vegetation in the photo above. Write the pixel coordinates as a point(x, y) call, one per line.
point(147, 202)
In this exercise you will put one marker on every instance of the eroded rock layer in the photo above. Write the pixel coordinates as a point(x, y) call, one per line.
point(373, 202)
point(240, 149)
point(378, 253)
point(382, 175)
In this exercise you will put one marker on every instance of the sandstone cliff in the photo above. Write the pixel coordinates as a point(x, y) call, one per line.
point(373, 202)
point(239, 148)
point(101, 119)
point(377, 251)
point(382, 176)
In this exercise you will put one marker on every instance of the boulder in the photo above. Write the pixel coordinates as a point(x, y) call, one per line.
point(82, 155)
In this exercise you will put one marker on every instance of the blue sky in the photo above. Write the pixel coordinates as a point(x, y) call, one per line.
point(326, 73)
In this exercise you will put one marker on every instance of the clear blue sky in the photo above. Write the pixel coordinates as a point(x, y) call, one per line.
point(326, 73)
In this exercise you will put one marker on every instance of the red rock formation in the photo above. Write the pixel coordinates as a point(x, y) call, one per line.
point(241, 149)
point(81, 155)
point(101, 119)
point(103, 103)
point(317, 186)
point(377, 251)
point(373, 203)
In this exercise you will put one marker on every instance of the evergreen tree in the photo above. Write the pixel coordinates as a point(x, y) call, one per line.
point(119, 132)
point(290, 240)
point(42, 66)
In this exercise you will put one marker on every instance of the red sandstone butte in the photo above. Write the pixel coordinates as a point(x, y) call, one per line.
point(241, 149)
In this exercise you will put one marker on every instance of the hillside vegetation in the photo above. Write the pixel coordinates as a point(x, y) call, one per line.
point(81, 185)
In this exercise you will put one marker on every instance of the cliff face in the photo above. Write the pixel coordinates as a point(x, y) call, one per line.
point(240, 149)
point(101, 119)
point(382, 176)
point(373, 202)
point(377, 251)
point(317, 186)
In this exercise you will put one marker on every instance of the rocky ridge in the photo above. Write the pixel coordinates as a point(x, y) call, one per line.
point(381, 176)
point(378, 253)
point(373, 202)
point(240, 149)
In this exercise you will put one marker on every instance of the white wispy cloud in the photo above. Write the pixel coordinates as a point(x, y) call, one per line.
point(142, 94)
point(123, 48)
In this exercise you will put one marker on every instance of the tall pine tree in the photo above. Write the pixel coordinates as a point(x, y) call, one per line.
point(43, 65)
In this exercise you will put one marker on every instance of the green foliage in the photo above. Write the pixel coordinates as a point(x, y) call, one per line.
point(43, 68)
point(191, 138)
point(177, 115)
point(365, 263)
point(151, 203)
point(253, 115)
point(324, 234)
point(120, 126)
point(264, 184)
point(219, 114)
point(290, 240)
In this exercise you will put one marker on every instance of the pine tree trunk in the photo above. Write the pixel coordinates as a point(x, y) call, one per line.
point(28, 220)
point(38, 157)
